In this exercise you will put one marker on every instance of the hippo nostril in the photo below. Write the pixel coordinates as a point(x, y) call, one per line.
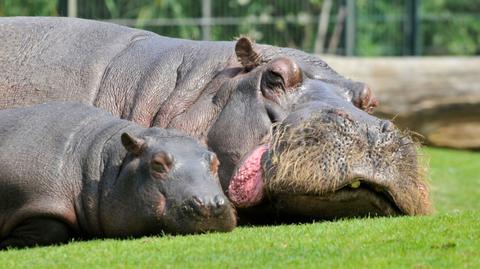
point(208, 206)
point(219, 201)
point(197, 201)
point(196, 205)
point(366, 100)
point(219, 205)
point(387, 126)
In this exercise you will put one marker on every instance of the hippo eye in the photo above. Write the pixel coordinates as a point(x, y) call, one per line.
point(272, 113)
point(161, 163)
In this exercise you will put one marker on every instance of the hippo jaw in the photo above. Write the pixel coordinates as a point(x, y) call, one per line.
point(331, 166)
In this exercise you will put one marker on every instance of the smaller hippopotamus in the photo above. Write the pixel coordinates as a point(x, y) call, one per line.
point(68, 170)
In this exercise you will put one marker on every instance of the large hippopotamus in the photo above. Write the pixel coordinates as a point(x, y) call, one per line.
point(243, 98)
point(72, 170)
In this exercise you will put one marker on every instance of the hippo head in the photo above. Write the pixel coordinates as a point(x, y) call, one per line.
point(296, 139)
point(167, 183)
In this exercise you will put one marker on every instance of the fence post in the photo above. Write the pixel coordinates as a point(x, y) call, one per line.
point(350, 29)
point(62, 8)
point(206, 19)
point(322, 30)
point(72, 8)
point(411, 28)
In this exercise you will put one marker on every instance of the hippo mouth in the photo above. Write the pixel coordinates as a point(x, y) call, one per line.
point(324, 169)
point(358, 198)
point(246, 188)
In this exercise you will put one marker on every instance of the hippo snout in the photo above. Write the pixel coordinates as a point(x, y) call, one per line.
point(207, 206)
point(346, 158)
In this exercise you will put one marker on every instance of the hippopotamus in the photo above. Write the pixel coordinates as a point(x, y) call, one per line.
point(238, 96)
point(72, 170)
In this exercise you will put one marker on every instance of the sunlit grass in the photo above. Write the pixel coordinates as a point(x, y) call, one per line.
point(455, 179)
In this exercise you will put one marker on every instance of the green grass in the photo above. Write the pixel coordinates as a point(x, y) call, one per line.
point(448, 239)
point(455, 180)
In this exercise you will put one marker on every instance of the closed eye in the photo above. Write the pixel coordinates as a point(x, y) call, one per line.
point(272, 114)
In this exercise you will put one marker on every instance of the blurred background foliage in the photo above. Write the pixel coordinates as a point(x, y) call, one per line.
point(28, 8)
point(442, 27)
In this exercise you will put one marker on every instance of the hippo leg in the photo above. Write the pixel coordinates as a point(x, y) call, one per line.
point(37, 231)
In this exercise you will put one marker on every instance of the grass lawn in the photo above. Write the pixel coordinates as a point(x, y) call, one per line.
point(448, 239)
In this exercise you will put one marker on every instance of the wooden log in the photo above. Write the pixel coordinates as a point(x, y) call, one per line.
point(438, 97)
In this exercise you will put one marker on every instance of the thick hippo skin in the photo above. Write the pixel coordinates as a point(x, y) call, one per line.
point(232, 94)
point(71, 170)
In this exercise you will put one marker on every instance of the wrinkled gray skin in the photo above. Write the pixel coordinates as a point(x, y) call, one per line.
point(231, 93)
point(72, 170)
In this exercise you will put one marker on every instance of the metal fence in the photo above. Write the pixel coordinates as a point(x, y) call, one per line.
point(348, 27)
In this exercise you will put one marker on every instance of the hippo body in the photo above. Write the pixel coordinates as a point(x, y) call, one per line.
point(68, 169)
point(232, 94)
point(133, 74)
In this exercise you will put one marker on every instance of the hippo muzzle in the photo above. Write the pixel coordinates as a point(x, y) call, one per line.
point(328, 159)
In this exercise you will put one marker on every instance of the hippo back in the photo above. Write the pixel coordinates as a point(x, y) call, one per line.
point(131, 73)
point(73, 55)
point(46, 149)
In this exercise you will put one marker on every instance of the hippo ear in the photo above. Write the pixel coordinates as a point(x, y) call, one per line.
point(246, 54)
point(132, 144)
